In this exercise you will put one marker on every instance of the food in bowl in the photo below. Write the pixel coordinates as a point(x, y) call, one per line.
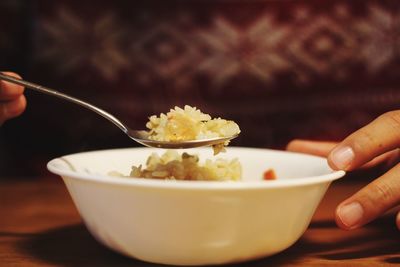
point(183, 166)
point(189, 123)
point(269, 175)
point(196, 223)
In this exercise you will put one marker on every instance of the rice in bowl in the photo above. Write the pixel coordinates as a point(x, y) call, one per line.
point(174, 166)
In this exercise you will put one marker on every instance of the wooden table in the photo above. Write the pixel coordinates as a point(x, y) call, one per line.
point(39, 226)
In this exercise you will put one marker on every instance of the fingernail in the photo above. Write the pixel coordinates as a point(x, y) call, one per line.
point(342, 157)
point(351, 214)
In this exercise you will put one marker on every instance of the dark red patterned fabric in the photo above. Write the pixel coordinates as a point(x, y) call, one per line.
point(281, 69)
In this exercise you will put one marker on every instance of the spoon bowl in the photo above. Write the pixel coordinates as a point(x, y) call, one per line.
point(140, 136)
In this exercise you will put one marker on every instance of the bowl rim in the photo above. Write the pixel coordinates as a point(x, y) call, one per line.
point(194, 185)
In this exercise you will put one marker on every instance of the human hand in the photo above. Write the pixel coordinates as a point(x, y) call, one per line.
point(12, 100)
point(375, 143)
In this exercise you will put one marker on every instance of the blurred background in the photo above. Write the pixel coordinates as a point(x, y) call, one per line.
point(280, 69)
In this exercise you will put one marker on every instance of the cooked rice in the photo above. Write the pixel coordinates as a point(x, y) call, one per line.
point(175, 166)
point(190, 123)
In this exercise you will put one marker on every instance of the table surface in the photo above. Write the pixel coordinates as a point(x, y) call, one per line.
point(39, 226)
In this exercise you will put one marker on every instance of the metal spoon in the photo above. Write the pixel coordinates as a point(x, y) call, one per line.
point(140, 136)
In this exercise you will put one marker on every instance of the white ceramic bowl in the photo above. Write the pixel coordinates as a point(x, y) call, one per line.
point(196, 222)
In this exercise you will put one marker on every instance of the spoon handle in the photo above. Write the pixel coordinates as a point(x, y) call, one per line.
point(52, 92)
